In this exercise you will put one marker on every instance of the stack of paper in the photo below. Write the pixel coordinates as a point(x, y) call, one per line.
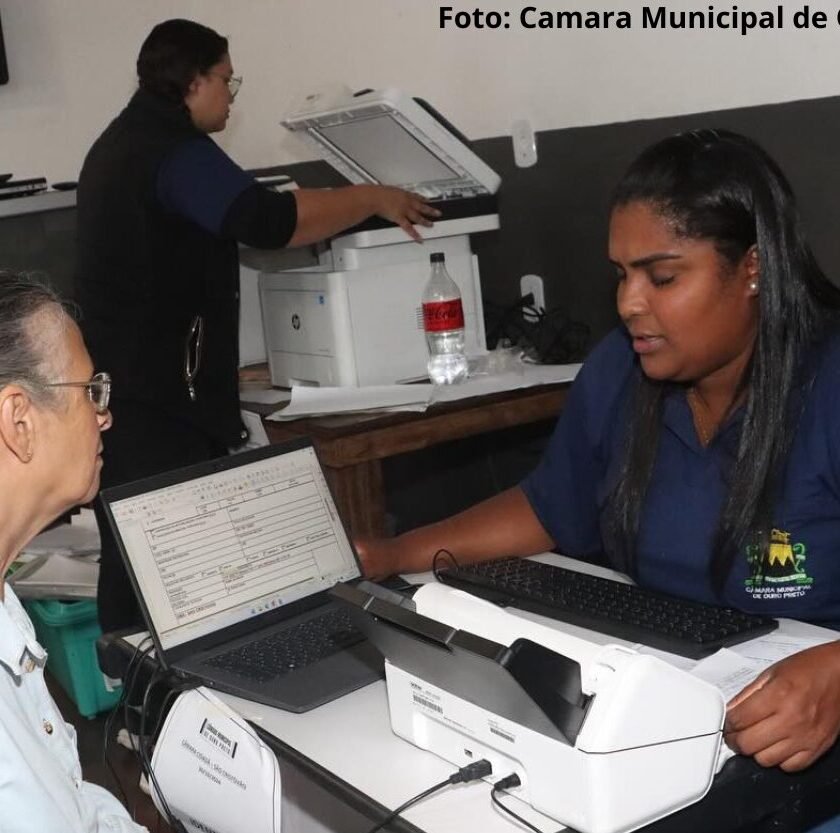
point(56, 577)
point(61, 563)
point(306, 401)
point(315, 401)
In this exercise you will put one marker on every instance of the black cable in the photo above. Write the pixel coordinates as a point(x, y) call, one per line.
point(146, 763)
point(545, 336)
point(440, 554)
point(136, 660)
point(501, 786)
point(470, 772)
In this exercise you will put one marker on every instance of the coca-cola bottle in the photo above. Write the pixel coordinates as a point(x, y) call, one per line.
point(443, 322)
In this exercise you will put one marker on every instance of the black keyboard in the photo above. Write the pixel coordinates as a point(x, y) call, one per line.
point(296, 647)
point(678, 626)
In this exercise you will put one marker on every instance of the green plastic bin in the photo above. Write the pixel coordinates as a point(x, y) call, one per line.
point(68, 631)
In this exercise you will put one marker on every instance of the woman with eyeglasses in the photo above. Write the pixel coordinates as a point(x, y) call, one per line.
point(53, 410)
point(161, 210)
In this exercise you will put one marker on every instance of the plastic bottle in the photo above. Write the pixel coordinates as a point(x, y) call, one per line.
point(443, 321)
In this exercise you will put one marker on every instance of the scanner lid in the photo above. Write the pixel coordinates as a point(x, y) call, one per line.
point(384, 137)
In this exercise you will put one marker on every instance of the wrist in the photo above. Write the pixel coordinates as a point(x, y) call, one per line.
point(369, 196)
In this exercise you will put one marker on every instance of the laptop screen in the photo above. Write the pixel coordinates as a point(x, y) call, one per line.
point(214, 550)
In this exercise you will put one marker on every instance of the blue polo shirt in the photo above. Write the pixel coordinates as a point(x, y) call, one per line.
point(200, 182)
point(800, 577)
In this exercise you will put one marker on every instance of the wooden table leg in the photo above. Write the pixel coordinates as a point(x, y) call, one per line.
point(359, 496)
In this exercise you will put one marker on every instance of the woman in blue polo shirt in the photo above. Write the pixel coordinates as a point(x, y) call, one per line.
point(700, 445)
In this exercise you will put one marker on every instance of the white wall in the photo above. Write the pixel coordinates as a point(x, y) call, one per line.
point(72, 67)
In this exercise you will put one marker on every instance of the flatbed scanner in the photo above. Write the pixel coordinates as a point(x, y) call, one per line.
point(355, 318)
point(604, 739)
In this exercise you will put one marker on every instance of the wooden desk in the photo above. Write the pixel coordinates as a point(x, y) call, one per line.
point(352, 447)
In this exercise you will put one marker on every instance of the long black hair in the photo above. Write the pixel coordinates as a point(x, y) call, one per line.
point(173, 53)
point(719, 186)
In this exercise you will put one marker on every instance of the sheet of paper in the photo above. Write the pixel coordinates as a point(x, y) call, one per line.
point(313, 401)
point(546, 374)
point(730, 669)
point(56, 576)
point(265, 396)
point(528, 375)
point(780, 644)
point(727, 671)
point(79, 537)
point(335, 400)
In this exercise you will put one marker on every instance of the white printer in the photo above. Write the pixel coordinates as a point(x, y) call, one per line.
point(355, 318)
point(602, 738)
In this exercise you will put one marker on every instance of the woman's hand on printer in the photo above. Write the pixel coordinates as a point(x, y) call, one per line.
point(790, 714)
point(323, 212)
point(405, 209)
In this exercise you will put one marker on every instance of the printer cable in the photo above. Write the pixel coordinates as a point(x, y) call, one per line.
point(505, 784)
point(141, 651)
point(471, 772)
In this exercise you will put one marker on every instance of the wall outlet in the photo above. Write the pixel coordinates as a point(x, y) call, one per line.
point(532, 284)
point(524, 144)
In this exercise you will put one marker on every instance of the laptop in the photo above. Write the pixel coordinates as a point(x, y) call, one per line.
point(232, 561)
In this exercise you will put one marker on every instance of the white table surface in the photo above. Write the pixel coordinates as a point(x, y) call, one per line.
point(351, 738)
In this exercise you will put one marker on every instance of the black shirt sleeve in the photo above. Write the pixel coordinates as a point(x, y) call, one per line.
point(261, 218)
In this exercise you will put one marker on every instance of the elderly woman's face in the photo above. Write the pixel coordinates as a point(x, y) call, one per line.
point(72, 428)
point(690, 312)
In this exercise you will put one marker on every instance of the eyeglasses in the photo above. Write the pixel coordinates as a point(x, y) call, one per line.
point(98, 390)
point(233, 83)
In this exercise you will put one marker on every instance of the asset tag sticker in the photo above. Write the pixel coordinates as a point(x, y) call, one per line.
point(224, 744)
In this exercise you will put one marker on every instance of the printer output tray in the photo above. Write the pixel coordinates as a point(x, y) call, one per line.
point(526, 683)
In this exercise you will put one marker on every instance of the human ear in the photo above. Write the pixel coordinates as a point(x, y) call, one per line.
point(17, 427)
point(192, 89)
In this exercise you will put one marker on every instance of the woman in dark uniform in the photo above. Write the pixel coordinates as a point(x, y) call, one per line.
point(161, 210)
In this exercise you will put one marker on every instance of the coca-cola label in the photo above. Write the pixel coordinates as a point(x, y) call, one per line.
point(443, 315)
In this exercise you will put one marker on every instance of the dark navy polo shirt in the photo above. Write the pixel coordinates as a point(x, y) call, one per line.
point(801, 577)
point(199, 181)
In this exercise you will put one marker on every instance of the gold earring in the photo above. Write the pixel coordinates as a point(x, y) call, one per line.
point(754, 286)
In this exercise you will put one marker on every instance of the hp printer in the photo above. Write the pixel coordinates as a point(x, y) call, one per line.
point(355, 318)
point(603, 739)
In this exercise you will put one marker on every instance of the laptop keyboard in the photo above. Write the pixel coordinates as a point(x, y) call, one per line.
point(290, 649)
point(678, 626)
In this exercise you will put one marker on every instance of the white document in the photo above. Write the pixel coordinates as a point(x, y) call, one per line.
point(212, 770)
point(79, 537)
point(526, 376)
point(56, 576)
point(780, 644)
point(727, 671)
point(335, 400)
point(309, 401)
point(731, 669)
point(265, 396)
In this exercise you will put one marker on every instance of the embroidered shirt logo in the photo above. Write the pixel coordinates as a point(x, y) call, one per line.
point(778, 573)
